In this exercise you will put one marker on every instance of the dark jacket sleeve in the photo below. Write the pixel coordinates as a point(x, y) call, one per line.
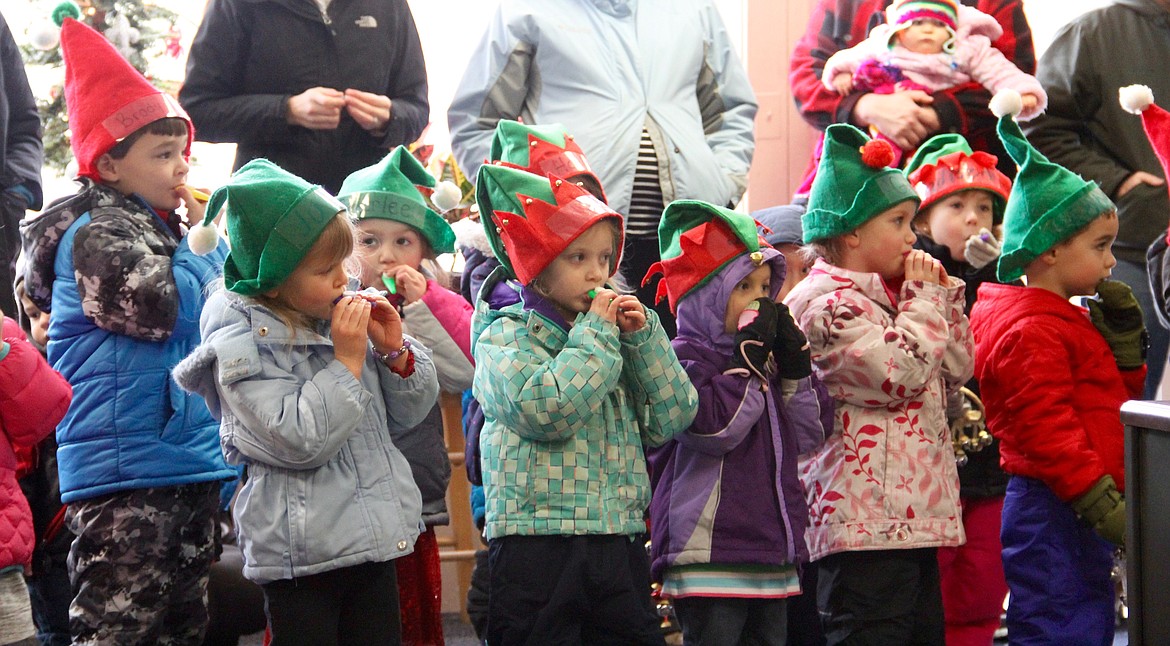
point(23, 152)
point(410, 108)
point(213, 93)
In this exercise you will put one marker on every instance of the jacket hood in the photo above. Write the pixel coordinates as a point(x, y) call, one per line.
point(702, 312)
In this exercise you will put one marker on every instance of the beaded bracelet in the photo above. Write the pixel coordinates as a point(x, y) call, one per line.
point(390, 357)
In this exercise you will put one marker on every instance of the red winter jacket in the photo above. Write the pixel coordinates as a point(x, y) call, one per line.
point(1051, 387)
point(33, 399)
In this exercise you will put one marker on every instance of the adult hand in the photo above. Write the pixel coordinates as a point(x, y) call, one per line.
point(351, 317)
point(631, 315)
point(1139, 177)
point(317, 108)
point(370, 111)
point(922, 266)
point(410, 282)
point(905, 117)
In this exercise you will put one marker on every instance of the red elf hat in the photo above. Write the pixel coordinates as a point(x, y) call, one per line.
point(106, 97)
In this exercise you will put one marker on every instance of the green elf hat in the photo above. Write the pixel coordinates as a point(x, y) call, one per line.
point(273, 219)
point(529, 219)
point(394, 189)
point(944, 165)
point(541, 150)
point(696, 241)
point(853, 184)
point(1048, 203)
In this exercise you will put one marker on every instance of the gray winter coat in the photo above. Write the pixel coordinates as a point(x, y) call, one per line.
point(326, 488)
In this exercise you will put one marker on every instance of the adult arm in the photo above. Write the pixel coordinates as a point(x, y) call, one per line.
point(495, 86)
point(213, 93)
point(410, 108)
point(728, 106)
point(23, 150)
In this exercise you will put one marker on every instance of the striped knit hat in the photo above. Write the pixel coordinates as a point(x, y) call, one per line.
point(903, 12)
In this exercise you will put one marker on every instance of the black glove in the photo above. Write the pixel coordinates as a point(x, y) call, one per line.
point(1103, 509)
point(790, 350)
point(757, 333)
point(1118, 316)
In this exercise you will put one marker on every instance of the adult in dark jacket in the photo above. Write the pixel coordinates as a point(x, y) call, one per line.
point(320, 92)
point(21, 157)
point(1087, 131)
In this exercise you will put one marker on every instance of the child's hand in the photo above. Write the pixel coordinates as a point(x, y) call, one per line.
point(1030, 101)
point(981, 249)
point(351, 317)
point(790, 349)
point(385, 328)
point(196, 209)
point(631, 315)
point(411, 283)
point(922, 266)
point(1117, 314)
point(756, 336)
point(843, 83)
point(605, 304)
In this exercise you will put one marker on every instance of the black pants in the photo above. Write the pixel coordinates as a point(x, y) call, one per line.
point(549, 590)
point(352, 605)
point(719, 621)
point(637, 257)
point(881, 597)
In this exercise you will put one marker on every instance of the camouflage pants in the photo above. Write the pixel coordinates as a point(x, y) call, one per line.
point(139, 565)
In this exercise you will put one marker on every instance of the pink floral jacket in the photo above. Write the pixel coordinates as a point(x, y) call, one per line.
point(886, 477)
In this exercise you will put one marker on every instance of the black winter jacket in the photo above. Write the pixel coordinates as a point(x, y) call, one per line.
point(1086, 130)
point(250, 56)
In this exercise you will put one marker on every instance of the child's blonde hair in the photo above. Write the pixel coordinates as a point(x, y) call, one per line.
point(830, 249)
point(335, 244)
point(614, 279)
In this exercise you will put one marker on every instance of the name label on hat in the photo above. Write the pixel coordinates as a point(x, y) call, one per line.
point(141, 111)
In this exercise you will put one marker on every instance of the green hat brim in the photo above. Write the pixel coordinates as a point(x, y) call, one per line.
point(1076, 212)
point(292, 235)
point(380, 205)
point(887, 189)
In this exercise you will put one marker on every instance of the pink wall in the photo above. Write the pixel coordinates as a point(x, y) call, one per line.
point(783, 139)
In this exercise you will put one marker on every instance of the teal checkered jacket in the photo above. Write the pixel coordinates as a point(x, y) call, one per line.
point(567, 413)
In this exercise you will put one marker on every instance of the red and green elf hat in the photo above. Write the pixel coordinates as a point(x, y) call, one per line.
point(394, 189)
point(944, 165)
point(697, 240)
point(529, 219)
point(540, 149)
point(107, 99)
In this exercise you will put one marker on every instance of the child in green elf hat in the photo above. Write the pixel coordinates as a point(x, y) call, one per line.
point(889, 340)
point(1053, 378)
point(398, 237)
point(963, 198)
point(730, 561)
point(574, 379)
point(312, 384)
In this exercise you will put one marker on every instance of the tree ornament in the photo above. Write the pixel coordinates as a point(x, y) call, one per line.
point(44, 35)
point(123, 36)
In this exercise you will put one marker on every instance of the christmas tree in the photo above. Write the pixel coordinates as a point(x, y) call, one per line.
point(139, 29)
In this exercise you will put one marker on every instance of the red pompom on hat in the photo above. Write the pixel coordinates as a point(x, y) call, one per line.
point(877, 153)
point(106, 97)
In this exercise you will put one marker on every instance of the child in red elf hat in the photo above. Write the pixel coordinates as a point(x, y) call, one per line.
point(574, 380)
point(140, 463)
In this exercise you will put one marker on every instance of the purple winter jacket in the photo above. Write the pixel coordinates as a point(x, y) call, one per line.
point(727, 490)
